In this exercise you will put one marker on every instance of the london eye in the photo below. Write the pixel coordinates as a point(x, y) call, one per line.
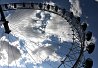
point(43, 35)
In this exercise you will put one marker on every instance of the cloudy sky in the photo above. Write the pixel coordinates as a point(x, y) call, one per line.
point(90, 9)
point(30, 48)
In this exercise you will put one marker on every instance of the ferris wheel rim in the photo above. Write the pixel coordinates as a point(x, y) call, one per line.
point(65, 17)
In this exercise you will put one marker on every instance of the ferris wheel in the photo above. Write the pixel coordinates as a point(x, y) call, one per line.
point(56, 40)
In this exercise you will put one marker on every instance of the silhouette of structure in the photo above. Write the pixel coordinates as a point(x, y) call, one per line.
point(82, 36)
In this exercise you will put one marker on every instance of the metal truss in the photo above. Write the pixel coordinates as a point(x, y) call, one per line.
point(73, 59)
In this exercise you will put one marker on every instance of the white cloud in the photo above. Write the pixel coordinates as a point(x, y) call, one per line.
point(29, 45)
point(3, 58)
point(75, 7)
point(7, 50)
point(96, 0)
point(33, 38)
point(50, 2)
point(93, 40)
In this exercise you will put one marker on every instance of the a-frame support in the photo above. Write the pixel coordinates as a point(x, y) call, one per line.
point(5, 23)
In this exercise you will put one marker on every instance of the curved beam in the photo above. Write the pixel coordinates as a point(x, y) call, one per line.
point(40, 6)
point(71, 19)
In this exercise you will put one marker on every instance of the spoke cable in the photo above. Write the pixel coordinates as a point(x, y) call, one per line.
point(12, 53)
